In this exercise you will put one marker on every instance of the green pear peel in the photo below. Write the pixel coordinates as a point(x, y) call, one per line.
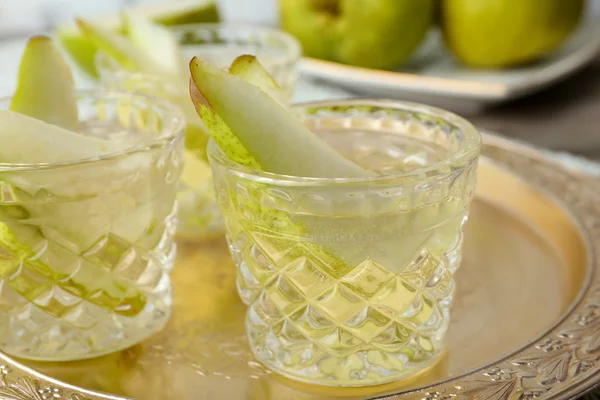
point(220, 132)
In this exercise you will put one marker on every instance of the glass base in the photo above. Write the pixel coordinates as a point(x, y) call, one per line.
point(369, 376)
point(32, 334)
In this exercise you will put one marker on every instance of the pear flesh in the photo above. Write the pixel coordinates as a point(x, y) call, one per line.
point(45, 89)
point(29, 140)
point(143, 34)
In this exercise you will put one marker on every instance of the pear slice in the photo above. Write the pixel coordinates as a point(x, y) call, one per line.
point(271, 135)
point(119, 48)
point(250, 69)
point(158, 42)
point(45, 89)
point(83, 51)
point(220, 132)
point(29, 140)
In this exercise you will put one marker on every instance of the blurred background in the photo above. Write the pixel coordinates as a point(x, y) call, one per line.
point(546, 71)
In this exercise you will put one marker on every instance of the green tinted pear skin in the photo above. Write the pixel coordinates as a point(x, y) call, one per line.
point(220, 132)
point(272, 135)
point(504, 33)
point(45, 87)
point(379, 34)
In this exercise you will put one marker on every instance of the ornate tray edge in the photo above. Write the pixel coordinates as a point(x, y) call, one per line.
point(563, 363)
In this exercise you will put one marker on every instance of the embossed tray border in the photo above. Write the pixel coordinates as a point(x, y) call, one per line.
point(565, 362)
point(562, 364)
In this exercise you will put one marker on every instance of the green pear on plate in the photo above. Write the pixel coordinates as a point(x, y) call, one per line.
point(504, 33)
point(367, 33)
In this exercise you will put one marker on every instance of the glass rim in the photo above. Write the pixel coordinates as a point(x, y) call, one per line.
point(173, 131)
point(292, 45)
point(470, 149)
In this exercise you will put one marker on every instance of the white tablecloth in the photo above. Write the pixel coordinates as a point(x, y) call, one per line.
point(10, 54)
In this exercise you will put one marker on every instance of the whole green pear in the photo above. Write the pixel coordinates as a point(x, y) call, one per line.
point(368, 33)
point(503, 33)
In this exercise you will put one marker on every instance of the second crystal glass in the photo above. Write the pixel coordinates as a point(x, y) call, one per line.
point(349, 282)
point(220, 44)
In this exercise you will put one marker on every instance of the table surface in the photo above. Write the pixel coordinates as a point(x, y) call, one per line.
point(563, 117)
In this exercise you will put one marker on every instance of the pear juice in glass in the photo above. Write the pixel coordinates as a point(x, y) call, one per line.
point(349, 282)
point(86, 245)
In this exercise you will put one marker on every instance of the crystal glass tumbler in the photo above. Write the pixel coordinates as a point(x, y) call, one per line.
point(349, 282)
point(220, 44)
point(86, 245)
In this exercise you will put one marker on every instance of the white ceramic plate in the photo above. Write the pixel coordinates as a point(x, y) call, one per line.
point(434, 77)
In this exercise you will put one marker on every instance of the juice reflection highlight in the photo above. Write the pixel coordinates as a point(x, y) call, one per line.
point(350, 284)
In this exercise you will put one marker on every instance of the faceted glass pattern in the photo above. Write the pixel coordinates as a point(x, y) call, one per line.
point(350, 283)
point(86, 246)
